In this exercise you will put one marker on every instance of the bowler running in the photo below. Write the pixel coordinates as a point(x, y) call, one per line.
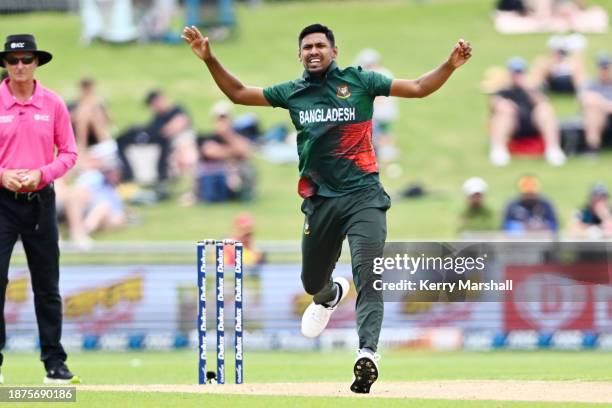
point(331, 109)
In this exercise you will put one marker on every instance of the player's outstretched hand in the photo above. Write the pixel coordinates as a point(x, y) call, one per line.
point(198, 43)
point(462, 52)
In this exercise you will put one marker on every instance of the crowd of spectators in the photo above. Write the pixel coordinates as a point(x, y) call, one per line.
point(520, 113)
point(562, 70)
point(89, 116)
point(141, 164)
point(533, 214)
point(530, 212)
point(145, 163)
point(541, 16)
point(477, 216)
point(522, 119)
point(91, 202)
point(224, 170)
point(386, 111)
point(594, 219)
point(596, 101)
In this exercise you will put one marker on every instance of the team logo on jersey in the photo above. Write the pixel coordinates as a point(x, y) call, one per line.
point(343, 91)
point(306, 228)
point(44, 118)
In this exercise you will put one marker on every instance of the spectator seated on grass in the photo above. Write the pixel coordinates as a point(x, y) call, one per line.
point(386, 111)
point(93, 202)
point(144, 157)
point(172, 123)
point(244, 230)
point(476, 216)
point(224, 170)
point(156, 21)
point(247, 125)
point(562, 70)
point(530, 212)
point(165, 147)
point(279, 145)
point(89, 116)
point(541, 16)
point(594, 220)
point(596, 101)
point(522, 121)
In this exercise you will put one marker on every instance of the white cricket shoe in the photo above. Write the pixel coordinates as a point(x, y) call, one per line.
point(316, 317)
point(365, 371)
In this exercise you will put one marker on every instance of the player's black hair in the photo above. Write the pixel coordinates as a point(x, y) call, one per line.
point(317, 28)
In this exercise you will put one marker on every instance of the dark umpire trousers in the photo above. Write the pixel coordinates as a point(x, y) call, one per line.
point(360, 216)
point(31, 216)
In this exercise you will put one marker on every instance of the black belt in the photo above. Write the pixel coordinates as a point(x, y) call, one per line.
point(43, 193)
point(40, 197)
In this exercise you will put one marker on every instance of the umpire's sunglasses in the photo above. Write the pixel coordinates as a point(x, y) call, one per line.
point(27, 60)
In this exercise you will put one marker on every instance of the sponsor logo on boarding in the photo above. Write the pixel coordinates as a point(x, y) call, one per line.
point(343, 91)
point(6, 118)
point(42, 118)
point(203, 320)
point(221, 351)
point(220, 326)
point(220, 290)
point(17, 45)
point(220, 260)
point(203, 262)
point(238, 320)
point(238, 261)
point(203, 289)
point(221, 373)
point(558, 306)
point(239, 350)
point(238, 290)
point(238, 376)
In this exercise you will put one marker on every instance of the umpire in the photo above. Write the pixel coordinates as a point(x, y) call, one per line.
point(37, 146)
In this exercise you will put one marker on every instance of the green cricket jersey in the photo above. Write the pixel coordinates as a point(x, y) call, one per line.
point(333, 117)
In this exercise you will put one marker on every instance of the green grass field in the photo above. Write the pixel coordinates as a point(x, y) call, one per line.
point(268, 367)
point(442, 138)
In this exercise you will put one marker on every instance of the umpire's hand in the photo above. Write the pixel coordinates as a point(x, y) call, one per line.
point(30, 179)
point(12, 179)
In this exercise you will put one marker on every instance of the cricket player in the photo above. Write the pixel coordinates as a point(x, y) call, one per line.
point(331, 109)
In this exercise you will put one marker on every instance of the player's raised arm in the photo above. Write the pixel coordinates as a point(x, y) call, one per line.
point(231, 86)
point(433, 80)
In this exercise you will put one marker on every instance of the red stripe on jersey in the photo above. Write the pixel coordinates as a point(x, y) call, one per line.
point(306, 188)
point(356, 145)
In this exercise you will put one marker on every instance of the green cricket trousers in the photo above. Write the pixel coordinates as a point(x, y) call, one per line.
point(360, 216)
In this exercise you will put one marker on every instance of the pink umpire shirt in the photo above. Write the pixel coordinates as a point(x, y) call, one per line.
point(31, 131)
